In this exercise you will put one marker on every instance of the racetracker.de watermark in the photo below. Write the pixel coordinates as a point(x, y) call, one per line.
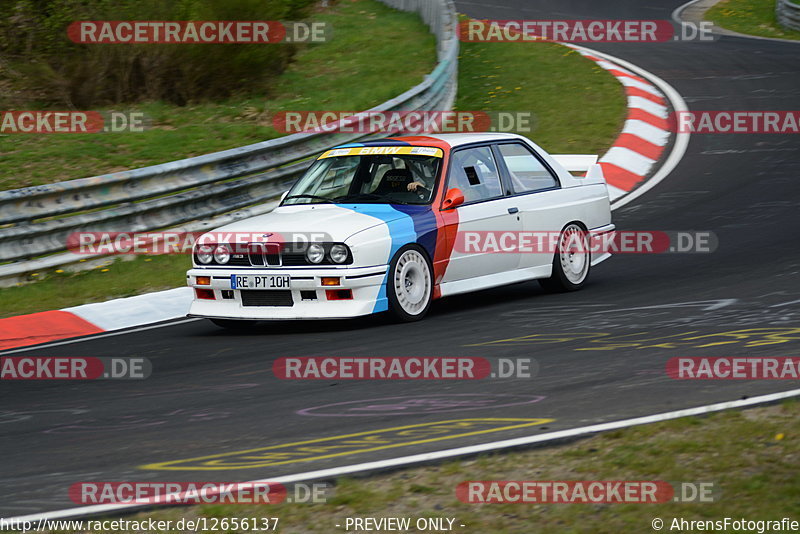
point(584, 492)
point(198, 492)
point(197, 32)
point(73, 368)
point(583, 31)
point(620, 242)
point(177, 242)
point(735, 122)
point(402, 368)
point(408, 122)
point(72, 122)
point(733, 368)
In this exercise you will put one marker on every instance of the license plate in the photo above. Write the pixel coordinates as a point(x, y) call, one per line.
point(247, 281)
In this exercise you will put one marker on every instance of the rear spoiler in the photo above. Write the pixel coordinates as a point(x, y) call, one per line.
point(582, 163)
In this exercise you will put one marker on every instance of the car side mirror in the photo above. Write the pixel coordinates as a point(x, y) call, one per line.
point(453, 198)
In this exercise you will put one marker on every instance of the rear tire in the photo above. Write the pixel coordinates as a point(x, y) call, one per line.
point(571, 262)
point(409, 284)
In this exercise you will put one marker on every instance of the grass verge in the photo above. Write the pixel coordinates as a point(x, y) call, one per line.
point(347, 73)
point(578, 107)
point(754, 475)
point(111, 279)
point(752, 17)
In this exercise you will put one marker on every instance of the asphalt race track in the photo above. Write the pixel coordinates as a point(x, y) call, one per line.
point(601, 352)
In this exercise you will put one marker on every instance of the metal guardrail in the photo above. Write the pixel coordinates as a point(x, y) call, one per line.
point(37, 220)
point(788, 14)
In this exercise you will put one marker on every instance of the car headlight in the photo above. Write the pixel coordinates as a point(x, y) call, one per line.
point(315, 253)
point(222, 254)
point(205, 253)
point(338, 253)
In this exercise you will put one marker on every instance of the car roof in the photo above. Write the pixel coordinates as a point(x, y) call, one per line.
point(450, 140)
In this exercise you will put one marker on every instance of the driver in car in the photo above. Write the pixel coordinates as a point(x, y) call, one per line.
point(415, 184)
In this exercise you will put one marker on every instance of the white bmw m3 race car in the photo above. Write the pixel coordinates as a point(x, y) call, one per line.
point(392, 224)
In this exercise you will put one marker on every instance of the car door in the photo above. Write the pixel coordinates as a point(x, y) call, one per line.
point(487, 210)
point(536, 191)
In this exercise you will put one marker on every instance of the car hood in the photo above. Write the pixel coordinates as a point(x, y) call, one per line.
point(320, 222)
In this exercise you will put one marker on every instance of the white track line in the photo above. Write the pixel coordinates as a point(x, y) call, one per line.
point(678, 11)
point(610, 66)
point(402, 461)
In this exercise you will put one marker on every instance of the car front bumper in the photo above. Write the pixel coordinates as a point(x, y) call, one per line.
point(307, 298)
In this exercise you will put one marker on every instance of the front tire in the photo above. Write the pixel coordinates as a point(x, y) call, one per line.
point(571, 262)
point(409, 286)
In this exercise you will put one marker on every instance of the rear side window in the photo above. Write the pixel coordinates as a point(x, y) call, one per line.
point(474, 172)
point(527, 173)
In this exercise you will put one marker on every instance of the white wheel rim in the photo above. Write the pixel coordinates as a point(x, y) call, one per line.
point(574, 254)
point(412, 282)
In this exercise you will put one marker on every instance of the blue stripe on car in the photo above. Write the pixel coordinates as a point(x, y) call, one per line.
point(406, 224)
point(424, 225)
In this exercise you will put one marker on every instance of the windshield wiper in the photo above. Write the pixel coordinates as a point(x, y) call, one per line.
point(313, 197)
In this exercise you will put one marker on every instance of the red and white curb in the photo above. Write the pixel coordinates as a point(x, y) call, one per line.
point(95, 318)
point(626, 166)
point(645, 135)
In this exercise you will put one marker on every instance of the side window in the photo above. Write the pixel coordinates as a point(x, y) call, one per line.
point(527, 173)
point(474, 172)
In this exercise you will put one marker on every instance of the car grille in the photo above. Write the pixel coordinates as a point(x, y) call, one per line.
point(268, 254)
point(294, 259)
point(267, 297)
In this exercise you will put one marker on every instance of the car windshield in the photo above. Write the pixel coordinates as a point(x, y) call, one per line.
point(377, 175)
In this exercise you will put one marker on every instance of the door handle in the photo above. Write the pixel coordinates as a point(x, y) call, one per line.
point(513, 210)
